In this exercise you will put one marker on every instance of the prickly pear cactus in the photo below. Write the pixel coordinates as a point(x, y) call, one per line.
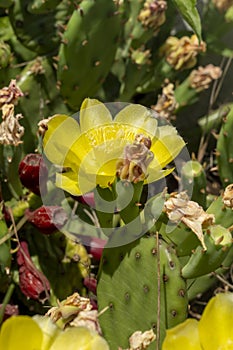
point(142, 288)
point(87, 51)
point(225, 150)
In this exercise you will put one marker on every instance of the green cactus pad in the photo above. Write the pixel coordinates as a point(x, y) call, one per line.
point(193, 180)
point(128, 287)
point(39, 33)
point(88, 50)
point(225, 150)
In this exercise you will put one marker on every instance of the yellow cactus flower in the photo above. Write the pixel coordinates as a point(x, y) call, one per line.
point(212, 332)
point(89, 151)
point(39, 333)
point(80, 338)
point(20, 333)
point(183, 336)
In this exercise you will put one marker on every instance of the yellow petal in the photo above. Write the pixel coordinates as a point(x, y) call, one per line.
point(20, 333)
point(68, 181)
point(138, 116)
point(216, 326)
point(155, 174)
point(61, 135)
point(49, 329)
point(93, 113)
point(79, 338)
point(168, 146)
point(183, 337)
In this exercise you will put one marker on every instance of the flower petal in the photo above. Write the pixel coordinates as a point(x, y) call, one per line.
point(20, 332)
point(168, 146)
point(80, 338)
point(157, 174)
point(93, 113)
point(62, 133)
point(184, 336)
point(68, 181)
point(138, 116)
point(49, 329)
point(215, 327)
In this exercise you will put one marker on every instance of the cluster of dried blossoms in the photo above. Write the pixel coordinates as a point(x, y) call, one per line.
point(152, 14)
point(181, 53)
point(11, 131)
point(201, 78)
point(166, 104)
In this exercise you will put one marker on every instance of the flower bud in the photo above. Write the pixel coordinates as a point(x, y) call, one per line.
point(32, 282)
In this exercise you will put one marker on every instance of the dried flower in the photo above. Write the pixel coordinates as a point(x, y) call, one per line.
point(141, 56)
point(10, 129)
point(87, 319)
point(201, 78)
point(135, 160)
point(10, 94)
point(223, 5)
point(179, 208)
point(181, 53)
point(228, 196)
point(152, 14)
point(69, 308)
point(141, 341)
point(166, 104)
point(32, 282)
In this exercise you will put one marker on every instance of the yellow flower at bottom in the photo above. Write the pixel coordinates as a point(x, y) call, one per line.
point(213, 332)
point(183, 337)
point(89, 150)
point(79, 338)
point(20, 333)
point(216, 324)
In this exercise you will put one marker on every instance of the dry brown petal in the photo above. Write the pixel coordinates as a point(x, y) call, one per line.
point(179, 208)
point(181, 53)
point(223, 5)
point(201, 78)
point(135, 160)
point(153, 14)
point(228, 196)
point(10, 94)
point(87, 319)
point(10, 129)
point(166, 104)
point(141, 341)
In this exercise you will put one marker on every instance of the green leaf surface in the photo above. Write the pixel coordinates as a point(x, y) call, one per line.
point(190, 14)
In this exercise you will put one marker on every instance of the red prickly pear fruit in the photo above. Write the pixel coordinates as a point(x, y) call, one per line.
point(48, 219)
point(90, 283)
point(33, 173)
point(32, 282)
